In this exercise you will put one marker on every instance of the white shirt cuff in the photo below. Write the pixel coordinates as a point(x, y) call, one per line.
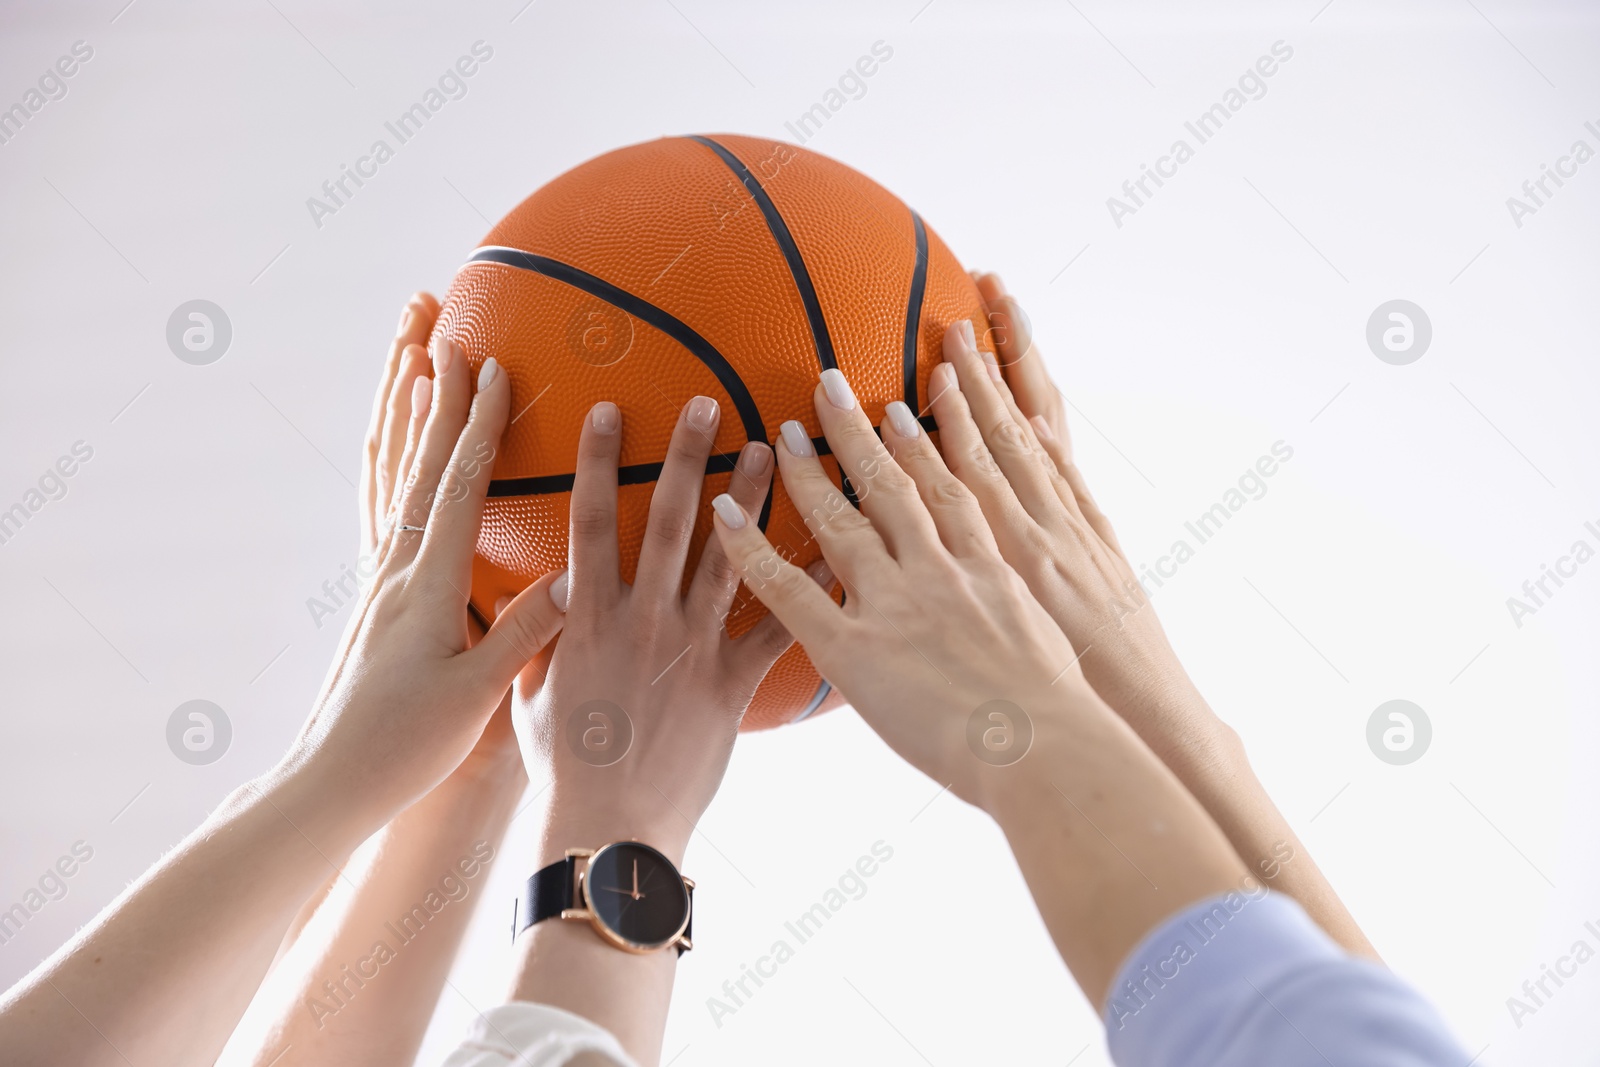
point(522, 1034)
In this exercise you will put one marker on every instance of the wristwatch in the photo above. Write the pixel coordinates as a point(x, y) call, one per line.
point(631, 894)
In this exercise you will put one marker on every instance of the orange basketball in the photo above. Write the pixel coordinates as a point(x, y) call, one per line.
point(734, 267)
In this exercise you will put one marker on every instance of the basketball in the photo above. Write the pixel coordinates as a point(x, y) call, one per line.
point(735, 267)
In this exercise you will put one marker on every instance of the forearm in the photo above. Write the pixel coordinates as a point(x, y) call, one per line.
point(360, 983)
point(1109, 841)
point(1211, 762)
point(162, 975)
point(567, 965)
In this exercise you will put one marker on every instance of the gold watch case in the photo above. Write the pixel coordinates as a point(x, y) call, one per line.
point(587, 913)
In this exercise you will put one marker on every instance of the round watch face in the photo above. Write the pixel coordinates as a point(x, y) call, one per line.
point(636, 894)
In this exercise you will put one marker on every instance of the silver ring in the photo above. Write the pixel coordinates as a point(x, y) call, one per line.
point(413, 529)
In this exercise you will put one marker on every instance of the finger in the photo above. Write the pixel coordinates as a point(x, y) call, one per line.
point(392, 461)
point(754, 652)
point(715, 581)
point(887, 495)
point(845, 536)
point(1007, 434)
point(1061, 456)
point(675, 502)
point(453, 523)
point(421, 400)
point(968, 458)
point(522, 628)
point(592, 555)
point(955, 511)
point(792, 596)
point(416, 320)
point(1021, 361)
point(447, 415)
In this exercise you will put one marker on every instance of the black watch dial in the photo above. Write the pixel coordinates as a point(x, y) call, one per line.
point(636, 894)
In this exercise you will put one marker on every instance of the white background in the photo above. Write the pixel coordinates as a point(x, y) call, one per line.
point(1227, 314)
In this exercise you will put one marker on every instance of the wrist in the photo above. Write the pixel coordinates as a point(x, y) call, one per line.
point(583, 822)
point(1072, 730)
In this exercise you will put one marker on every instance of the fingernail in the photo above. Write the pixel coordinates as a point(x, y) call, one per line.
point(703, 413)
point(501, 605)
point(942, 380)
point(1042, 428)
point(605, 417)
point(421, 395)
point(904, 423)
point(821, 573)
point(560, 589)
point(729, 510)
point(405, 320)
point(444, 354)
point(840, 395)
point(968, 338)
point(487, 373)
point(796, 440)
point(754, 459)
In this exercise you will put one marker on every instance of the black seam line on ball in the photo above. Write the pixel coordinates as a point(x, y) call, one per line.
point(632, 474)
point(919, 285)
point(786, 245)
point(643, 473)
point(639, 308)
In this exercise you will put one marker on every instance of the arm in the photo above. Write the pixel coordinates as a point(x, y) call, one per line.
point(1003, 430)
point(443, 844)
point(162, 975)
point(662, 659)
point(935, 633)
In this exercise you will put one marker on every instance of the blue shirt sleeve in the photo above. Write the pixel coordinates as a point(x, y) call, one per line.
point(1243, 980)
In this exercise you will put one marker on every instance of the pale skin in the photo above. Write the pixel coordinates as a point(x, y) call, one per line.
point(1004, 434)
point(665, 658)
point(382, 1020)
point(935, 626)
point(163, 974)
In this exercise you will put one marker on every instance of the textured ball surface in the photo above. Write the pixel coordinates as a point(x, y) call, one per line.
point(734, 267)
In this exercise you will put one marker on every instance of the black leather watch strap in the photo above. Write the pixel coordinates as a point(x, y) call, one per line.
point(545, 896)
point(550, 892)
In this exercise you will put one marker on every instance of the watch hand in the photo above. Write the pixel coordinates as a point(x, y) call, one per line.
point(635, 879)
point(614, 889)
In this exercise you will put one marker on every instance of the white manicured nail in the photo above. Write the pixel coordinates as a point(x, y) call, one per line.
point(444, 354)
point(728, 509)
point(702, 414)
point(840, 395)
point(904, 423)
point(796, 440)
point(560, 589)
point(605, 417)
point(487, 373)
point(968, 338)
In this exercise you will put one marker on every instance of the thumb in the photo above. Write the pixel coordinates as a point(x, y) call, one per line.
point(522, 628)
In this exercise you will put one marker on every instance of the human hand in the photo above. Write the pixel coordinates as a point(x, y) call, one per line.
point(406, 701)
point(936, 625)
point(648, 669)
point(1003, 432)
point(494, 761)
